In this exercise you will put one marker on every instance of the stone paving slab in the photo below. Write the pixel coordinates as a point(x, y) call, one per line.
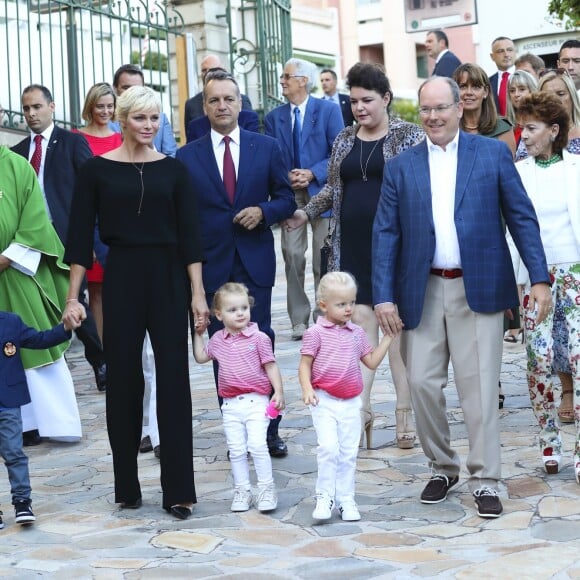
point(81, 533)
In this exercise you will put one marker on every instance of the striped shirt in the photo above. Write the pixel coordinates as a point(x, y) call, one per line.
point(241, 359)
point(336, 351)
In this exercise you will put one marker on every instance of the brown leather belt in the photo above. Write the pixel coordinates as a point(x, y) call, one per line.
point(449, 274)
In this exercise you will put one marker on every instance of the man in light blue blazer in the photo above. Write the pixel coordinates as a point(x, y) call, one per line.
point(238, 244)
point(319, 122)
point(442, 270)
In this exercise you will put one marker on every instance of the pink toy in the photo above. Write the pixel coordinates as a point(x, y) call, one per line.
point(271, 411)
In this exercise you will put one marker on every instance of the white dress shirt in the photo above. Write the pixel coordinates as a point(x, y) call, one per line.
point(219, 148)
point(443, 174)
point(510, 70)
point(441, 54)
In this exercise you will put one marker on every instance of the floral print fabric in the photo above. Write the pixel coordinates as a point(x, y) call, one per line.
point(541, 348)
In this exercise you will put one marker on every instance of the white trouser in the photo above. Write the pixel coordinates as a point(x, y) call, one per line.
point(245, 425)
point(337, 424)
point(150, 394)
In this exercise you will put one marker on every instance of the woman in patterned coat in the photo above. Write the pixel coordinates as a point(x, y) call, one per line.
point(355, 173)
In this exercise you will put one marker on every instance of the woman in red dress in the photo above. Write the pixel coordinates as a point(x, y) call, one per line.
point(98, 111)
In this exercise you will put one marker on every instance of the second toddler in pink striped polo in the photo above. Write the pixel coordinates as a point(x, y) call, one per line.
point(331, 381)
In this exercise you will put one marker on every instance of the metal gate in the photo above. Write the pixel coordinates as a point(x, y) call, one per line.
point(260, 44)
point(69, 45)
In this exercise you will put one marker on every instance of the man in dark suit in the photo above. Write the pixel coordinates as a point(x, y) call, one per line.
point(194, 106)
point(57, 155)
point(503, 53)
point(437, 47)
point(199, 127)
point(442, 270)
point(328, 80)
point(238, 242)
point(306, 145)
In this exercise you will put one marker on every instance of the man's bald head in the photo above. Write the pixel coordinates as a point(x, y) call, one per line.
point(209, 62)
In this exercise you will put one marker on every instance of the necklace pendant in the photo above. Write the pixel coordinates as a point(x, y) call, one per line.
point(365, 178)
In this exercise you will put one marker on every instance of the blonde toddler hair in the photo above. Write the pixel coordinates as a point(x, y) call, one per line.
point(330, 281)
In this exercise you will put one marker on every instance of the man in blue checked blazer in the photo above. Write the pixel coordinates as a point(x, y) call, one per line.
point(442, 271)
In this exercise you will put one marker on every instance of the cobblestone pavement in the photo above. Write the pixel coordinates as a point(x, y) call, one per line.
point(81, 533)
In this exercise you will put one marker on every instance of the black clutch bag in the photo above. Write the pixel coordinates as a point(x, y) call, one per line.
point(324, 257)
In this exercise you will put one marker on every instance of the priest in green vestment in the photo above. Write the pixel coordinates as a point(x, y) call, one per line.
point(33, 284)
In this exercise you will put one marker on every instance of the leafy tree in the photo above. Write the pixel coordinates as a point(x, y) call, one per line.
point(405, 109)
point(568, 10)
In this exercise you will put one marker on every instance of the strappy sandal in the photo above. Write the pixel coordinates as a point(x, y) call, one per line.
point(566, 410)
point(405, 432)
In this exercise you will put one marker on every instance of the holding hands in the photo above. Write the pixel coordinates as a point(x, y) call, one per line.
point(388, 316)
point(200, 313)
point(73, 315)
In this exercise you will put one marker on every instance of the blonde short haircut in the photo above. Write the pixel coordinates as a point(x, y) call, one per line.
point(230, 288)
point(331, 281)
point(95, 93)
point(137, 98)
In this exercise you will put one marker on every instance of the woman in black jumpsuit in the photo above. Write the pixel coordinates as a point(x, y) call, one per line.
point(147, 216)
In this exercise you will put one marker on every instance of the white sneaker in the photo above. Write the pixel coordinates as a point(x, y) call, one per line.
point(267, 498)
point(324, 505)
point(242, 500)
point(349, 511)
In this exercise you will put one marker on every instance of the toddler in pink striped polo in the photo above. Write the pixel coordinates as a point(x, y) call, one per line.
point(246, 376)
point(331, 381)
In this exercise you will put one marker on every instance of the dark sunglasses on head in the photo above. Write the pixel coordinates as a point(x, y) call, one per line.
point(557, 71)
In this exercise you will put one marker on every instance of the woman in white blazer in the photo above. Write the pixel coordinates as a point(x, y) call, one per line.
point(551, 177)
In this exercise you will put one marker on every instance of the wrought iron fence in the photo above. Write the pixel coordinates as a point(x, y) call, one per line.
point(69, 45)
point(260, 44)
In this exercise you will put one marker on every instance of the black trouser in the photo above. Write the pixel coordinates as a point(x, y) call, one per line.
point(147, 289)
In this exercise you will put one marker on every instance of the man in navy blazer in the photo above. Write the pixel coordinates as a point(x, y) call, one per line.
point(320, 122)
point(442, 271)
point(437, 47)
point(63, 153)
point(14, 335)
point(328, 81)
point(238, 243)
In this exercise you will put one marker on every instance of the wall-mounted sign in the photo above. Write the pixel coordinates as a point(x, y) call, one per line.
point(422, 15)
